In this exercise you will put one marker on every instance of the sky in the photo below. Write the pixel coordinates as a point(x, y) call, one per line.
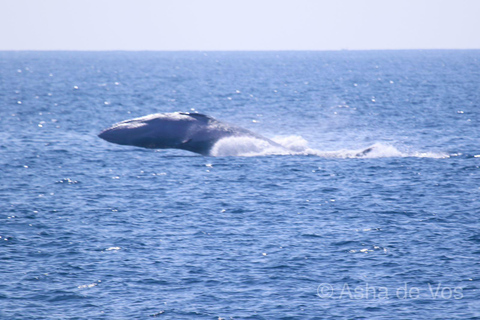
point(239, 25)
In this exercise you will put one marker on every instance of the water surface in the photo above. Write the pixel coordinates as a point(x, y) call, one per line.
point(92, 230)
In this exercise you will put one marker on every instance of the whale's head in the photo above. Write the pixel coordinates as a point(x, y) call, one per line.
point(162, 130)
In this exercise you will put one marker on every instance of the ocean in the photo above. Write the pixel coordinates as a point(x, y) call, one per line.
point(94, 230)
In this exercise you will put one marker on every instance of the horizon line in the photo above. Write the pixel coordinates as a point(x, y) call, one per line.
point(231, 50)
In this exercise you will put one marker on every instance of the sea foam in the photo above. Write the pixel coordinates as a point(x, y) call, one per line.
point(297, 145)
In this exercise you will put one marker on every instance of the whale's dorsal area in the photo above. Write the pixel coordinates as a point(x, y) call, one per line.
point(194, 132)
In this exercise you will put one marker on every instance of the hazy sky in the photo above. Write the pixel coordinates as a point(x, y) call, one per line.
point(238, 25)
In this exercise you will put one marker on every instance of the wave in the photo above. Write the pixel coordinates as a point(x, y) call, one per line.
point(297, 145)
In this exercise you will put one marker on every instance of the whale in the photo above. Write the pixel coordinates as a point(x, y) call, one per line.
point(194, 132)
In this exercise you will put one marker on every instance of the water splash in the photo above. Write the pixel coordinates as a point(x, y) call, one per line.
point(246, 147)
point(297, 145)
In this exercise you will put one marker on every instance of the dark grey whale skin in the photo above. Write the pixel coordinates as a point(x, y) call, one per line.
point(194, 132)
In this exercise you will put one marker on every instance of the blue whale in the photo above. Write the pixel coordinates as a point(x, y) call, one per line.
point(180, 130)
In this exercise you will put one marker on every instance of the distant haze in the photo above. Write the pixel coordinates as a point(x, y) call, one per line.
point(239, 25)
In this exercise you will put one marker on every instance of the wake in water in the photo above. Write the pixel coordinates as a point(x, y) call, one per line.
point(296, 145)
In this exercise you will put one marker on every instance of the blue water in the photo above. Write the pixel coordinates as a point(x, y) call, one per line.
point(92, 230)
